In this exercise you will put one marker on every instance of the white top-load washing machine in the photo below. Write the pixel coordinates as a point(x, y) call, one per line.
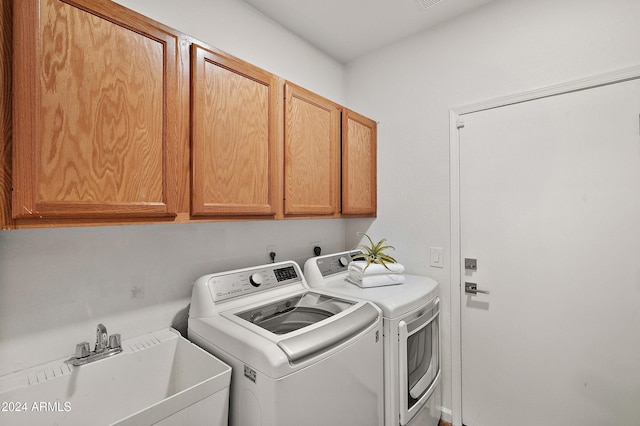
point(411, 337)
point(299, 356)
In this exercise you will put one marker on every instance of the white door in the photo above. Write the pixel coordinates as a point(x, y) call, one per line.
point(550, 208)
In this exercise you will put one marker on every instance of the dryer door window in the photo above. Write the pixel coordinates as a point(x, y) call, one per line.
point(419, 360)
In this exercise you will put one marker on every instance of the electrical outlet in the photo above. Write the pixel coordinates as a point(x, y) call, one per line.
point(313, 245)
point(272, 249)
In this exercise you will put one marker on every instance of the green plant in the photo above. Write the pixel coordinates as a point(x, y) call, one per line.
point(374, 253)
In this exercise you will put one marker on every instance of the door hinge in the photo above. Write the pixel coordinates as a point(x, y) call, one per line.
point(460, 123)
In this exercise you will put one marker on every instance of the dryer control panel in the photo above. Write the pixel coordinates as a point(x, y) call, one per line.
point(243, 282)
point(329, 265)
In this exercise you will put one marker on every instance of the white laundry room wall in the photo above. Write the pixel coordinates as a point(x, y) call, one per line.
point(503, 48)
point(57, 284)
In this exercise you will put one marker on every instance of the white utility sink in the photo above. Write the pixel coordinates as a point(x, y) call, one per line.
point(158, 378)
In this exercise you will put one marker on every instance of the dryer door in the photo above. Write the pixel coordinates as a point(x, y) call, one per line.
point(419, 360)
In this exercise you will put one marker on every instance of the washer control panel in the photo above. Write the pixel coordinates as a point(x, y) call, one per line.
point(248, 281)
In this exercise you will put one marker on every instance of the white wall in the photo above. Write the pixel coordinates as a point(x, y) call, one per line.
point(57, 284)
point(238, 29)
point(506, 47)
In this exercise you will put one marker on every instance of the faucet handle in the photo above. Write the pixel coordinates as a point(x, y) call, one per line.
point(115, 341)
point(82, 350)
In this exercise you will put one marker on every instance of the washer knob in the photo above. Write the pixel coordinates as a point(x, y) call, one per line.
point(343, 261)
point(255, 279)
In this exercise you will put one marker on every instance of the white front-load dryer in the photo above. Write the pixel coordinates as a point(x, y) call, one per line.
point(411, 337)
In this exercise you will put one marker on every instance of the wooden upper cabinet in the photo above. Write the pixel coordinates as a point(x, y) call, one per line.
point(105, 102)
point(359, 188)
point(236, 132)
point(311, 154)
point(96, 89)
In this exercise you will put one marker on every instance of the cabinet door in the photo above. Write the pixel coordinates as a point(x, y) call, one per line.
point(236, 127)
point(358, 165)
point(95, 107)
point(312, 154)
point(6, 19)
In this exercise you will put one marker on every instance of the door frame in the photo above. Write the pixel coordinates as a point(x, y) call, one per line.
point(456, 121)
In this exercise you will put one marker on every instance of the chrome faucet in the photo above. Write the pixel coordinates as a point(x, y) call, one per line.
point(106, 346)
point(101, 338)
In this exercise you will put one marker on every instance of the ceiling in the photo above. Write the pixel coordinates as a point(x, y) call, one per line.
point(347, 29)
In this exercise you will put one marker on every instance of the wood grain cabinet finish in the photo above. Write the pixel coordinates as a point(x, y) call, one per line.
point(236, 132)
point(359, 190)
point(311, 154)
point(6, 184)
point(100, 124)
point(95, 109)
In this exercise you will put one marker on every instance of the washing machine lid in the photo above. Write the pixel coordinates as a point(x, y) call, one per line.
point(329, 273)
point(294, 313)
point(287, 322)
point(239, 312)
point(279, 354)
